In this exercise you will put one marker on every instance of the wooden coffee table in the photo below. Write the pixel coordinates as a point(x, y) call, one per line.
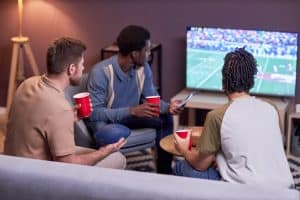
point(167, 143)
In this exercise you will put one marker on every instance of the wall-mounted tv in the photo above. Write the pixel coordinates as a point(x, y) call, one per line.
point(275, 52)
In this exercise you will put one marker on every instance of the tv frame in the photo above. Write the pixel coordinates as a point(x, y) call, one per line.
point(245, 29)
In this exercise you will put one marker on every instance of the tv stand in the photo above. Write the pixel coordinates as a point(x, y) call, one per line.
point(211, 100)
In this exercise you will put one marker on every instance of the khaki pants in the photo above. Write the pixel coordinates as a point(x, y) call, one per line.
point(115, 160)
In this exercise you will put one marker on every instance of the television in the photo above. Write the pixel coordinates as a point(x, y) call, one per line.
point(275, 52)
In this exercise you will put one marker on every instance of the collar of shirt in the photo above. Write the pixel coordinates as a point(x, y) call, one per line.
point(119, 72)
point(49, 83)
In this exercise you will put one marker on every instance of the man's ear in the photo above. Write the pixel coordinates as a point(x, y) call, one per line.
point(134, 54)
point(71, 69)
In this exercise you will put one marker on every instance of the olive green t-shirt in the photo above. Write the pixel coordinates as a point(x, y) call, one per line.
point(209, 141)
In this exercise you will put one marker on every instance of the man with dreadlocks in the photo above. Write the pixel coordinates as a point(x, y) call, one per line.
point(243, 136)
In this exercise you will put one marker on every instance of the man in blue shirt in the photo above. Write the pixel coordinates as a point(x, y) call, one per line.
point(118, 87)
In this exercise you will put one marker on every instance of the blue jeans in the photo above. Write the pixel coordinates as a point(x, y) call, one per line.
point(110, 133)
point(162, 124)
point(183, 168)
point(164, 127)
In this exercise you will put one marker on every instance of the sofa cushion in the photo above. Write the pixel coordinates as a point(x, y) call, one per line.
point(22, 178)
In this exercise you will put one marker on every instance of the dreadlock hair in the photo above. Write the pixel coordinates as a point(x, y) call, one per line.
point(238, 71)
point(132, 38)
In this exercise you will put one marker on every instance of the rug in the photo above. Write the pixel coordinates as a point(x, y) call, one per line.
point(144, 161)
point(141, 161)
point(294, 163)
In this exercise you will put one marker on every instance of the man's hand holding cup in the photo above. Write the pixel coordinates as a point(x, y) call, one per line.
point(83, 107)
point(183, 140)
point(151, 108)
point(155, 103)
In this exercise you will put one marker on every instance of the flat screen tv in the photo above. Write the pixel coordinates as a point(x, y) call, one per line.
point(275, 52)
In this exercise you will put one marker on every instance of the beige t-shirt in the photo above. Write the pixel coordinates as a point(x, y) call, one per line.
point(40, 121)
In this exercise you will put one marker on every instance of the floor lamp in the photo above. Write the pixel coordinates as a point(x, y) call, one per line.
point(20, 45)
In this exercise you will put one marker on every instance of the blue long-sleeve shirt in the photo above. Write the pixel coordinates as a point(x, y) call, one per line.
point(125, 88)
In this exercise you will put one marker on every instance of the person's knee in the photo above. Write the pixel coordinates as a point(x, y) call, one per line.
point(120, 161)
point(183, 168)
point(115, 160)
point(179, 168)
point(111, 133)
point(213, 174)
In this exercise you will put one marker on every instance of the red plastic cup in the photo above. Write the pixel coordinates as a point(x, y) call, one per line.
point(154, 100)
point(83, 99)
point(183, 134)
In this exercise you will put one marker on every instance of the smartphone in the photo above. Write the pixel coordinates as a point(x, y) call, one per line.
point(184, 101)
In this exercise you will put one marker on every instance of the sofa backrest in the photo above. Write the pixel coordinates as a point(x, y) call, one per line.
point(22, 178)
point(82, 135)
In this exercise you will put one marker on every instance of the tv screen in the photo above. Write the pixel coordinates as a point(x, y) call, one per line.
point(275, 52)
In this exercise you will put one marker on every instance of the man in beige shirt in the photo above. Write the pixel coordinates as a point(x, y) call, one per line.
point(40, 122)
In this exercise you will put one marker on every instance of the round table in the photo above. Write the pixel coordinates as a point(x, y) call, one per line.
point(167, 143)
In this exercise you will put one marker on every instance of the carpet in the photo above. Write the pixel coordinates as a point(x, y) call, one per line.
point(144, 161)
point(294, 163)
point(141, 161)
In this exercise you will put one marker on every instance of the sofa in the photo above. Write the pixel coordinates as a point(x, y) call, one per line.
point(23, 178)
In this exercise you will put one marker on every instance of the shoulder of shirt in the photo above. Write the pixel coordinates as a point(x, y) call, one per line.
point(29, 82)
point(219, 111)
point(268, 102)
point(99, 69)
point(31, 79)
point(54, 99)
point(147, 67)
point(103, 63)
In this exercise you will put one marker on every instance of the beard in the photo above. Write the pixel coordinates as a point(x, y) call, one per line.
point(139, 62)
point(75, 81)
point(138, 65)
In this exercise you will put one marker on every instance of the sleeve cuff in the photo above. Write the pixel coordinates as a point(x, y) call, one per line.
point(164, 107)
point(123, 113)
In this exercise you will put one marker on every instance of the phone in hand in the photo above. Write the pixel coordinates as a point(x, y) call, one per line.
point(184, 101)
